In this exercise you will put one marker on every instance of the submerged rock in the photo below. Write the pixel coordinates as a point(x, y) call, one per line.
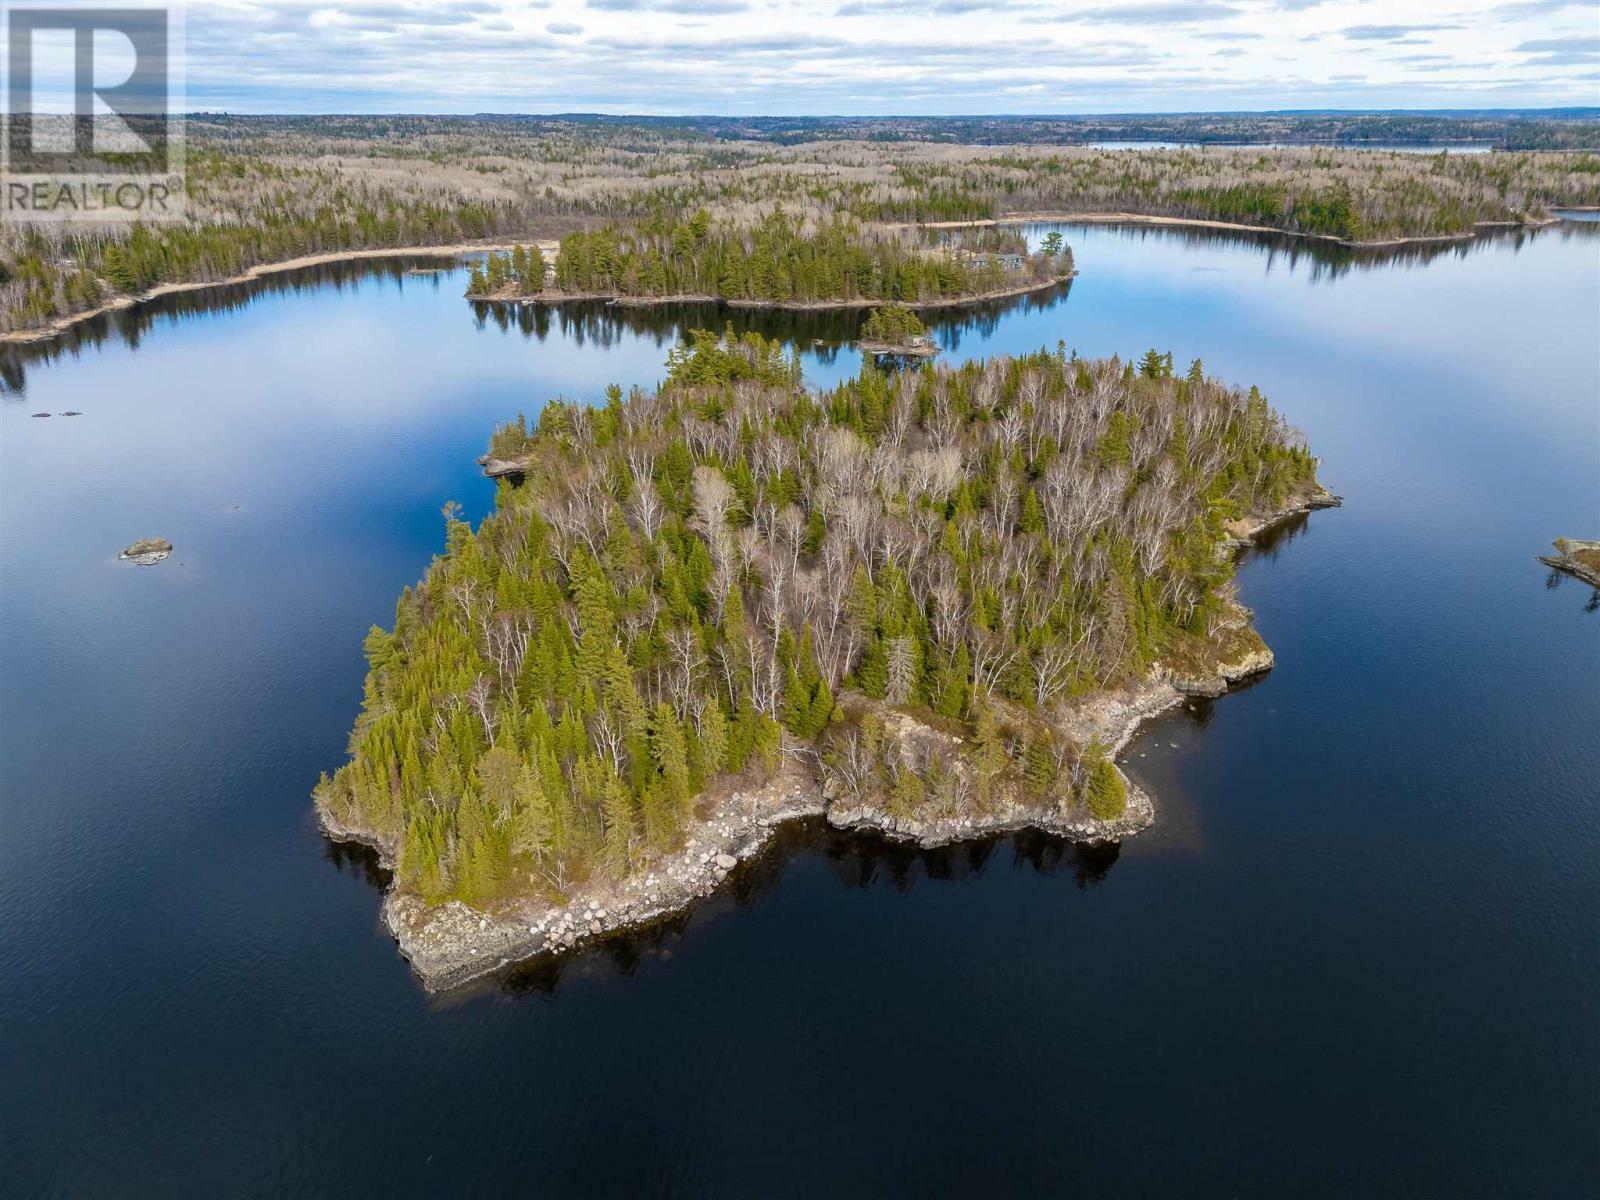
point(147, 551)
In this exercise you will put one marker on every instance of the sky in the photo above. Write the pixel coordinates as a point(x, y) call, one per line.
point(791, 57)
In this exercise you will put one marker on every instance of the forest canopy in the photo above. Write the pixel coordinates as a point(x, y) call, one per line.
point(691, 583)
point(780, 260)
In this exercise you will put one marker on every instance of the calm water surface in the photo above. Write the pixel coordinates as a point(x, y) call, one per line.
point(1358, 953)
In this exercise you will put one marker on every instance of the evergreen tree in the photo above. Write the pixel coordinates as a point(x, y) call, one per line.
point(1105, 792)
point(533, 824)
point(988, 754)
point(714, 738)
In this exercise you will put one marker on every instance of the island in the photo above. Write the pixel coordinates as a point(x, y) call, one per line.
point(1576, 557)
point(934, 602)
point(896, 331)
point(146, 552)
point(778, 262)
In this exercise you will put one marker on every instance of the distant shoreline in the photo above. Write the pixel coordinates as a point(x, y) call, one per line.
point(1127, 218)
point(62, 324)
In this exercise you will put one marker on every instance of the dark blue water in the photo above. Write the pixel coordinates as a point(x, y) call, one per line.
point(1358, 953)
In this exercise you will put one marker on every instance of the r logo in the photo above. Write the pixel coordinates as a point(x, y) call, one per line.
point(93, 123)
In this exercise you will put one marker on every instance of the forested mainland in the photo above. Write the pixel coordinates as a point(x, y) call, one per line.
point(692, 585)
point(265, 190)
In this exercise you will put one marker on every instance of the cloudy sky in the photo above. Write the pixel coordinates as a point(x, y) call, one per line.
point(887, 56)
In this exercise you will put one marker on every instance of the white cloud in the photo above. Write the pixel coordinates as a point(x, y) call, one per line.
point(881, 56)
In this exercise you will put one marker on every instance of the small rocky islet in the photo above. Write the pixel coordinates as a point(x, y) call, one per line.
point(146, 552)
point(1577, 557)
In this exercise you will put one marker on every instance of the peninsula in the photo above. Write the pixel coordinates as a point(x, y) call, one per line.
point(934, 602)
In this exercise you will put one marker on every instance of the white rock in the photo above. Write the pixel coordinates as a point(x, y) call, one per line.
point(727, 862)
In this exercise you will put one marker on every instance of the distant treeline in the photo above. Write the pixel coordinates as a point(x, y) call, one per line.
point(664, 207)
point(1504, 129)
point(46, 272)
point(1342, 194)
point(1508, 129)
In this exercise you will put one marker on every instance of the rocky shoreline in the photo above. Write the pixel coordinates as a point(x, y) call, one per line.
point(1577, 558)
point(146, 552)
point(920, 347)
point(452, 944)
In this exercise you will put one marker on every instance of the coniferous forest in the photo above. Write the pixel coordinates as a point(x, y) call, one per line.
point(693, 582)
point(777, 261)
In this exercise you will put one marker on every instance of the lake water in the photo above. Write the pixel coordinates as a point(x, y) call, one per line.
point(1357, 954)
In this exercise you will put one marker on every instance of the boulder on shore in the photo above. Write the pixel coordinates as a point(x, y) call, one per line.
point(148, 551)
point(513, 469)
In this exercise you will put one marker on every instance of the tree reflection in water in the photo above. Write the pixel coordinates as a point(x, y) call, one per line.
point(857, 860)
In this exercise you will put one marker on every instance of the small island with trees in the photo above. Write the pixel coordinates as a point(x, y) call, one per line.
point(895, 330)
point(934, 602)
